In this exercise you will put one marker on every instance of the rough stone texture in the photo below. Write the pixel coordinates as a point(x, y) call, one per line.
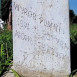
point(8, 73)
point(41, 37)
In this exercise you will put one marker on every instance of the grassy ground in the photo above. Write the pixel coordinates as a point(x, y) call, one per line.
point(6, 48)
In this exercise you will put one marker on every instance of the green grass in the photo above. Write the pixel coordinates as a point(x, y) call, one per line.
point(6, 50)
point(15, 73)
point(73, 73)
point(73, 37)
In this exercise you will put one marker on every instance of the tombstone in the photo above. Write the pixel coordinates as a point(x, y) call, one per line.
point(41, 39)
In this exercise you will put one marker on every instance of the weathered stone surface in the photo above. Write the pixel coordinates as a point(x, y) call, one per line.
point(9, 73)
point(41, 40)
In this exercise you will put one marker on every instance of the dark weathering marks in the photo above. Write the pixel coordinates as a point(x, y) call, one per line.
point(24, 11)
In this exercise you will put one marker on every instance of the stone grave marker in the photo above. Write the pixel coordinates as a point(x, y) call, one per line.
point(41, 38)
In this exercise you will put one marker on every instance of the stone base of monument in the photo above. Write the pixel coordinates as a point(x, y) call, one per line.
point(31, 73)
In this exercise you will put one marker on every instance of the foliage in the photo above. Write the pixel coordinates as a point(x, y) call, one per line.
point(72, 15)
point(5, 9)
point(73, 73)
point(6, 49)
point(73, 35)
point(15, 73)
point(75, 19)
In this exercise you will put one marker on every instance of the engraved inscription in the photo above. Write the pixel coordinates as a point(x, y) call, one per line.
point(41, 37)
